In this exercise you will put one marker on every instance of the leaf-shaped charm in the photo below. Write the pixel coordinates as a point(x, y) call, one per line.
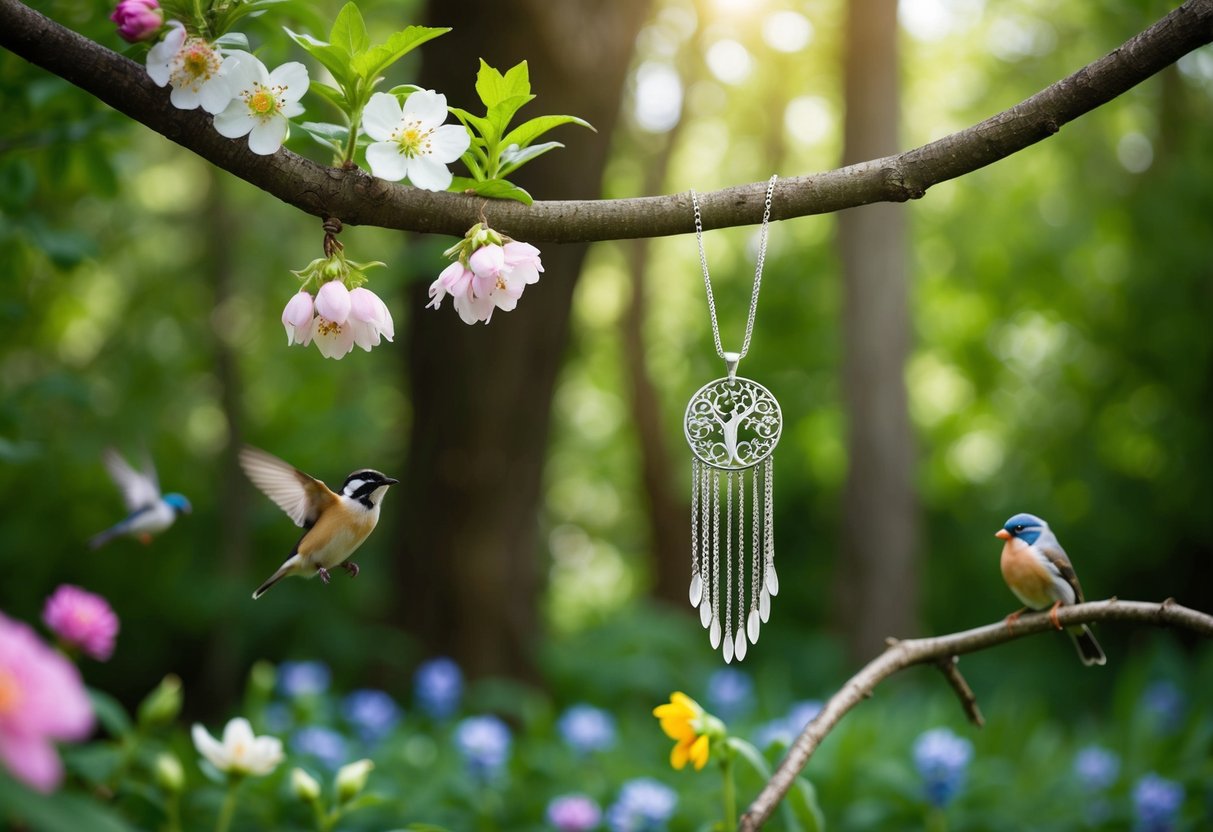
point(740, 647)
point(696, 590)
point(772, 580)
point(728, 649)
point(705, 612)
point(714, 633)
point(752, 626)
point(764, 604)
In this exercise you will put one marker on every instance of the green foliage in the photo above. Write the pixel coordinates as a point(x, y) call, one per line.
point(357, 68)
point(496, 151)
point(214, 19)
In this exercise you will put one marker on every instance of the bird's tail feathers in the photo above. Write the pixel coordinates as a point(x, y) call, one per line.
point(101, 538)
point(1088, 648)
point(288, 568)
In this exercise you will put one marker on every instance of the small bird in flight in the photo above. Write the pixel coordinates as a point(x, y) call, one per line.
point(148, 512)
point(334, 524)
point(1037, 570)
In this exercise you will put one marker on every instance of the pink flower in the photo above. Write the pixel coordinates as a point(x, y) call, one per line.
point(297, 318)
point(494, 278)
point(41, 700)
point(369, 319)
point(523, 258)
point(456, 281)
point(333, 334)
point(137, 19)
point(82, 620)
point(487, 263)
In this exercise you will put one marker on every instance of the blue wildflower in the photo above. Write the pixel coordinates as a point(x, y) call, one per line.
point(730, 693)
point(296, 679)
point(1165, 704)
point(438, 686)
point(643, 805)
point(1156, 803)
point(942, 759)
point(1096, 767)
point(484, 743)
point(372, 713)
point(278, 718)
point(574, 813)
point(587, 729)
point(801, 714)
point(324, 745)
point(787, 728)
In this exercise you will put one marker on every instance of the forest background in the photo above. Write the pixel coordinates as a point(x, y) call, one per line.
point(1046, 348)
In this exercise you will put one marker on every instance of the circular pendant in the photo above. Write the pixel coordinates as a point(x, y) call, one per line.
point(733, 423)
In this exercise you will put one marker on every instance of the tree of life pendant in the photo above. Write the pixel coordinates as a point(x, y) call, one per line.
point(732, 425)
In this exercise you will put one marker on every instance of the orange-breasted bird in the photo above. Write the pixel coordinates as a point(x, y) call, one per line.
point(1037, 570)
point(334, 524)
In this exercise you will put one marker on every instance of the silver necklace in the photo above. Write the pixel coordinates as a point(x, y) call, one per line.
point(732, 425)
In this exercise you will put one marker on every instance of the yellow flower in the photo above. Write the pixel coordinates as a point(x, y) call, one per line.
point(684, 720)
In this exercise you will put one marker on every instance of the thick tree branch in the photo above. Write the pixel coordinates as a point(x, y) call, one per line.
point(941, 651)
point(360, 199)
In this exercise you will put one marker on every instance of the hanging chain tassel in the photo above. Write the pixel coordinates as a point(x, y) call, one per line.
point(733, 425)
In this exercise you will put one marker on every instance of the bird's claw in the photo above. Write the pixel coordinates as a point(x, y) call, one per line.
point(352, 568)
point(323, 573)
point(1053, 615)
point(1014, 617)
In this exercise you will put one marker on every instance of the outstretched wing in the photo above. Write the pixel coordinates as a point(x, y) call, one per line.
point(1051, 549)
point(139, 489)
point(302, 497)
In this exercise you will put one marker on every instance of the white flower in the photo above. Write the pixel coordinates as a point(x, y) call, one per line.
point(297, 318)
point(240, 752)
point(413, 142)
point(261, 101)
point(192, 66)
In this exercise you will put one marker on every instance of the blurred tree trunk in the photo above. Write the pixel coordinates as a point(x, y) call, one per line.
point(876, 588)
point(470, 575)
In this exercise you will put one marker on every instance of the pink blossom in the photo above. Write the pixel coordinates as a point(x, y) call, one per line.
point(369, 319)
point(487, 263)
point(82, 621)
point(523, 258)
point(137, 19)
point(297, 318)
point(494, 278)
point(42, 699)
point(333, 334)
point(456, 280)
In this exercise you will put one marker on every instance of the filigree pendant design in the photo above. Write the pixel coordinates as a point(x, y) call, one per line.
point(732, 425)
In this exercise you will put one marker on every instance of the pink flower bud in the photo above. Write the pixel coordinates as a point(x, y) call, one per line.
point(487, 261)
point(333, 302)
point(137, 19)
point(297, 318)
point(82, 620)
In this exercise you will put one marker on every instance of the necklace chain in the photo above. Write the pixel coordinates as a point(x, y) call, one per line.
point(707, 278)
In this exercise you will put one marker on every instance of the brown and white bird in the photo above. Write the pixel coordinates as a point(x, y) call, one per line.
point(335, 525)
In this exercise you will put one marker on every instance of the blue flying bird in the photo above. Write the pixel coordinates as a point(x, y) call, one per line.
point(1037, 570)
point(150, 513)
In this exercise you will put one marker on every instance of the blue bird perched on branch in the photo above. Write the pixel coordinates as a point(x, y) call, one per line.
point(1037, 570)
point(149, 512)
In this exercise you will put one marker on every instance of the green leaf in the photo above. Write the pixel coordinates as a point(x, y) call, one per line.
point(528, 131)
point(349, 30)
point(96, 763)
point(513, 157)
point(335, 59)
point(481, 125)
point(752, 756)
point(110, 713)
point(490, 188)
point(371, 63)
point(233, 40)
point(332, 95)
point(803, 801)
point(333, 136)
point(493, 87)
point(503, 112)
point(60, 812)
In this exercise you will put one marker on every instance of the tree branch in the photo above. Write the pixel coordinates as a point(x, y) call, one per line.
point(360, 199)
point(941, 651)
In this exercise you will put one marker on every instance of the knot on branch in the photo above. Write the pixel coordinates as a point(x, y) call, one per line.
point(332, 227)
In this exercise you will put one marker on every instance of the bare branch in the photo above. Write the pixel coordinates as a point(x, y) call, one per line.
point(359, 199)
point(940, 650)
point(949, 666)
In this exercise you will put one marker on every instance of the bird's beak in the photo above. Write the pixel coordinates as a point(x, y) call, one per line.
point(1003, 534)
point(390, 481)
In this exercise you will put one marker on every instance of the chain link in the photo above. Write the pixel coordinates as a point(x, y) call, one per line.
point(707, 278)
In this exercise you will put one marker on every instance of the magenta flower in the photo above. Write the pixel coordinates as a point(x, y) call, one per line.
point(297, 318)
point(82, 621)
point(369, 319)
point(137, 19)
point(41, 700)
